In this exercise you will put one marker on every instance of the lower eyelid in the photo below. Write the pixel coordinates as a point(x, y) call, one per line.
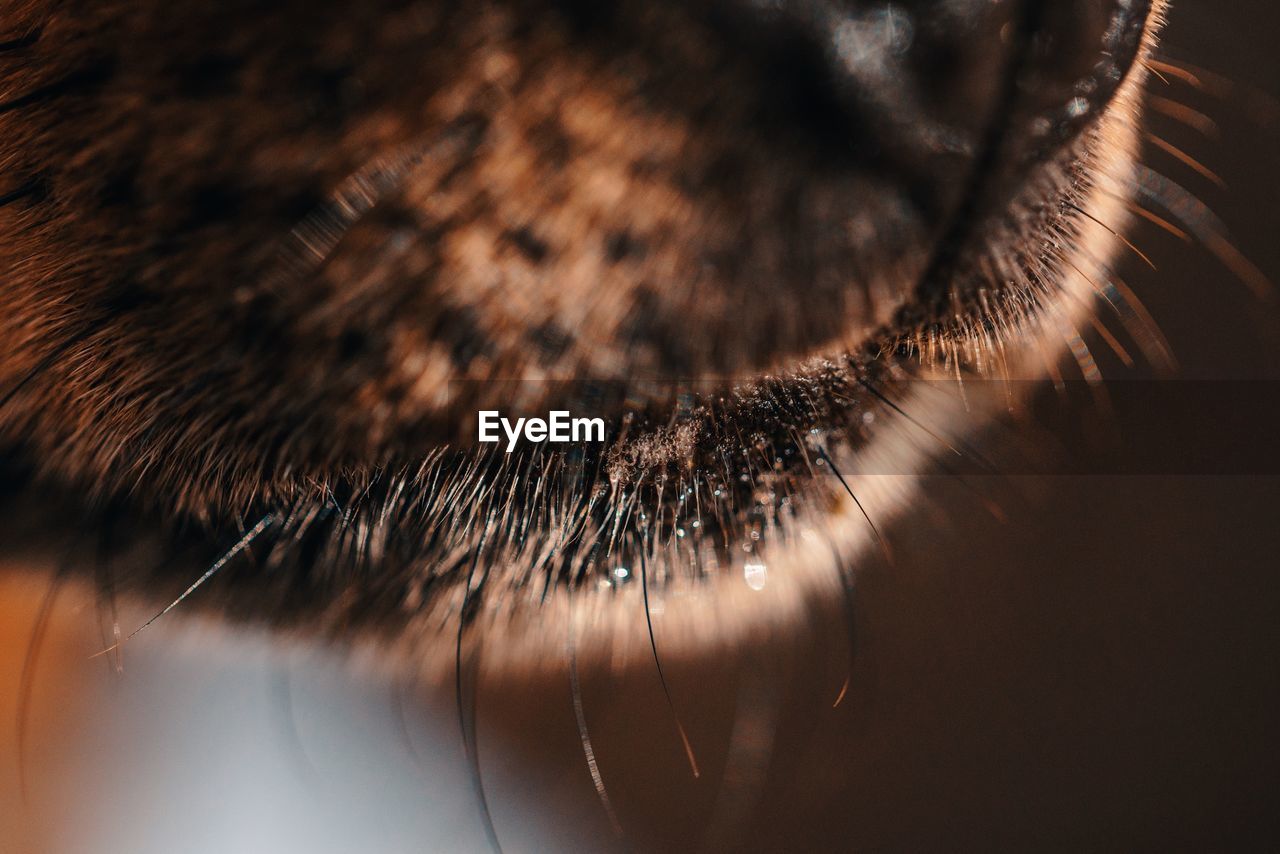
point(346, 542)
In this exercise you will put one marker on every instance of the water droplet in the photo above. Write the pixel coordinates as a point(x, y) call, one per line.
point(756, 575)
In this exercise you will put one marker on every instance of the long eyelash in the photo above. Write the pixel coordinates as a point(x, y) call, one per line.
point(27, 675)
point(467, 723)
point(1184, 206)
point(263, 524)
point(1094, 320)
point(1180, 112)
point(1186, 159)
point(1197, 218)
point(584, 734)
point(657, 663)
point(1141, 324)
point(880, 396)
point(1146, 259)
point(1156, 220)
point(851, 626)
point(884, 545)
point(105, 585)
point(1262, 107)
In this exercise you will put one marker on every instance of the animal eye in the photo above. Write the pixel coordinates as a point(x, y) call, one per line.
point(531, 337)
point(272, 271)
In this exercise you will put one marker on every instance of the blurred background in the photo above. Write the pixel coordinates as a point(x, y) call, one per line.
point(1081, 654)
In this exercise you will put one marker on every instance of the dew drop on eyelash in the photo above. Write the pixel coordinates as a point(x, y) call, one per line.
point(756, 575)
point(1077, 107)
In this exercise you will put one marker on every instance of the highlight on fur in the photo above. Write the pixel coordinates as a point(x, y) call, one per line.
point(258, 262)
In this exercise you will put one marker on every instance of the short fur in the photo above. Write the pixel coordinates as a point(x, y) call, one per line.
point(264, 263)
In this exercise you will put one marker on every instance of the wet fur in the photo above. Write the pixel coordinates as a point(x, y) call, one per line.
point(255, 273)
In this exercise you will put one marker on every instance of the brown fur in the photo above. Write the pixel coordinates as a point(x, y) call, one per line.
point(259, 258)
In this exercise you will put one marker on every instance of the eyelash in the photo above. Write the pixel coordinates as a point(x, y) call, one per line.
point(396, 515)
point(283, 534)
